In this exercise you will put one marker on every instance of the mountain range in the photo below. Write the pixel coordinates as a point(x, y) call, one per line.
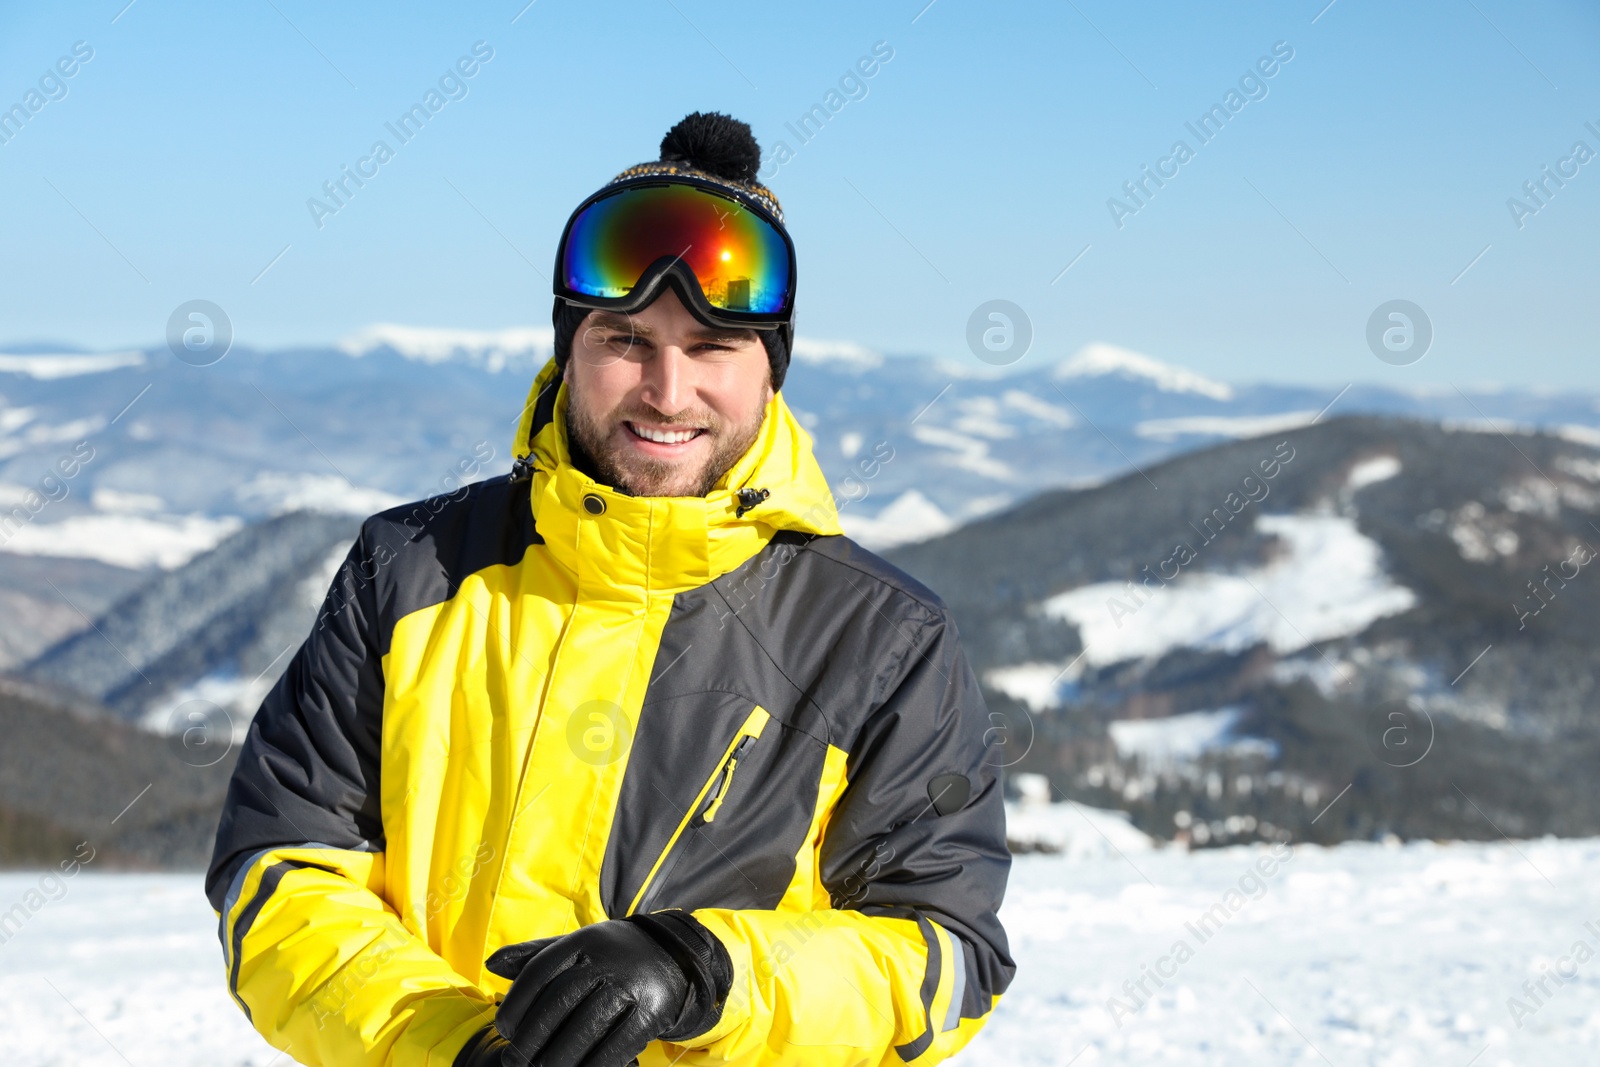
point(1213, 606)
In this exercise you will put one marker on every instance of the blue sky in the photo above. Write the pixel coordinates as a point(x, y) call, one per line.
point(978, 165)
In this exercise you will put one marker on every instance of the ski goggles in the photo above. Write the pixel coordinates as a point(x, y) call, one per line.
point(734, 258)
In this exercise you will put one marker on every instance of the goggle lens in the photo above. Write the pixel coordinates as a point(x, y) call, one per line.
point(740, 259)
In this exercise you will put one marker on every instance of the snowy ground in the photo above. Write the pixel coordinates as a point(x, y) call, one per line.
point(1360, 954)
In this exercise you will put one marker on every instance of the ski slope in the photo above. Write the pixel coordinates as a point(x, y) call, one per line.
point(1355, 955)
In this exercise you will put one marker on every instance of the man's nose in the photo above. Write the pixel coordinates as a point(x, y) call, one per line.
point(666, 380)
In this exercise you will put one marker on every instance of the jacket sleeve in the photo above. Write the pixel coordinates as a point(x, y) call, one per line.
point(907, 964)
point(315, 957)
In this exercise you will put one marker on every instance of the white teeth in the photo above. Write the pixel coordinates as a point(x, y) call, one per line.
point(674, 437)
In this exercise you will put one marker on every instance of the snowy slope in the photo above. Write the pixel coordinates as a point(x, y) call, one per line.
point(1218, 633)
point(1355, 955)
point(1328, 581)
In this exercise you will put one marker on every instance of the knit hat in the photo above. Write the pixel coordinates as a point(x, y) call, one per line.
point(716, 148)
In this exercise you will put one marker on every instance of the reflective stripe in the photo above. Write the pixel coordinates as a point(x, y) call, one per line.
point(958, 961)
point(228, 902)
point(247, 917)
point(230, 945)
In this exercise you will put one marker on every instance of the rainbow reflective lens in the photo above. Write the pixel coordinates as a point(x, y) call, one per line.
point(744, 263)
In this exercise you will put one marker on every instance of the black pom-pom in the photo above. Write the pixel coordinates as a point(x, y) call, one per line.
point(715, 143)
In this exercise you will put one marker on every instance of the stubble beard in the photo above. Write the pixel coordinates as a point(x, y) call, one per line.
point(590, 439)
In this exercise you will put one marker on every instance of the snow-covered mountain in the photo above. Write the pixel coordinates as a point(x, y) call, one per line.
point(176, 457)
point(1388, 614)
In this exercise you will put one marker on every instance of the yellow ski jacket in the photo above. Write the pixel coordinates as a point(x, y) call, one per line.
point(537, 703)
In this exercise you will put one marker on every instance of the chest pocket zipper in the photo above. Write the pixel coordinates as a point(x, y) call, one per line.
point(707, 804)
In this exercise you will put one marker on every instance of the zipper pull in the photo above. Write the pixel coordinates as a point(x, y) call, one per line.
point(727, 779)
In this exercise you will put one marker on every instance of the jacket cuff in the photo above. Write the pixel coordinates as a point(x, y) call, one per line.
point(483, 1049)
point(704, 961)
point(736, 1003)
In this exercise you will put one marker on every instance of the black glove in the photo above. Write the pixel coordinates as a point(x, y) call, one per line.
point(597, 996)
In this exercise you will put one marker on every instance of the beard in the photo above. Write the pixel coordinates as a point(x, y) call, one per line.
point(591, 438)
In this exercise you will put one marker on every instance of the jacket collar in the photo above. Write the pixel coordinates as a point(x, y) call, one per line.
point(642, 546)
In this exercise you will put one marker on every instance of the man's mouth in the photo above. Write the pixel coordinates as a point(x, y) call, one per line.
point(664, 437)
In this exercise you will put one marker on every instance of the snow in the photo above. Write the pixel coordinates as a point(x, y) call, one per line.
point(1580, 467)
point(1073, 830)
point(844, 355)
point(1579, 434)
point(965, 451)
point(1481, 536)
point(496, 350)
point(493, 350)
point(909, 517)
point(12, 418)
point(106, 499)
point(135, 541)
point(62, 365)
point(1099, 360)
point(1037, 685)
point(1327, 582)
point(231, 699)
point(1223, 425)
point(1371, 471)
point(282, 491)
point(41, 433)
point(1359, 954)
point(981, 416)
point(1042, 410)
point(1329, 676)
point(1178, 740)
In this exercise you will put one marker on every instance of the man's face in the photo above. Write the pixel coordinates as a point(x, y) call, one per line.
point(661, 403)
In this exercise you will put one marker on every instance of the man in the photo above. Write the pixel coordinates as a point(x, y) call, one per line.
point(629, 753)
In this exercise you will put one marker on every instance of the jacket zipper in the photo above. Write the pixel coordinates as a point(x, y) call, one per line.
point(707, 804)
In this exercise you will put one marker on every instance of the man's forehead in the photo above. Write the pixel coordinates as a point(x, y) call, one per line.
point(612, 320)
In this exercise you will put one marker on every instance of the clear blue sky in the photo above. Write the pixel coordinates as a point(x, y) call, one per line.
point(978, 165)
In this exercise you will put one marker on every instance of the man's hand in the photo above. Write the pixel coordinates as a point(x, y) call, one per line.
point(597, 996)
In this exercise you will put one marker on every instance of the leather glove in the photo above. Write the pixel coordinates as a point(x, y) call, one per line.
point(597, 996)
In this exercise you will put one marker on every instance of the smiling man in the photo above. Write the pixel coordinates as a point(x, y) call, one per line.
point(628, 754)
point(661, 404)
